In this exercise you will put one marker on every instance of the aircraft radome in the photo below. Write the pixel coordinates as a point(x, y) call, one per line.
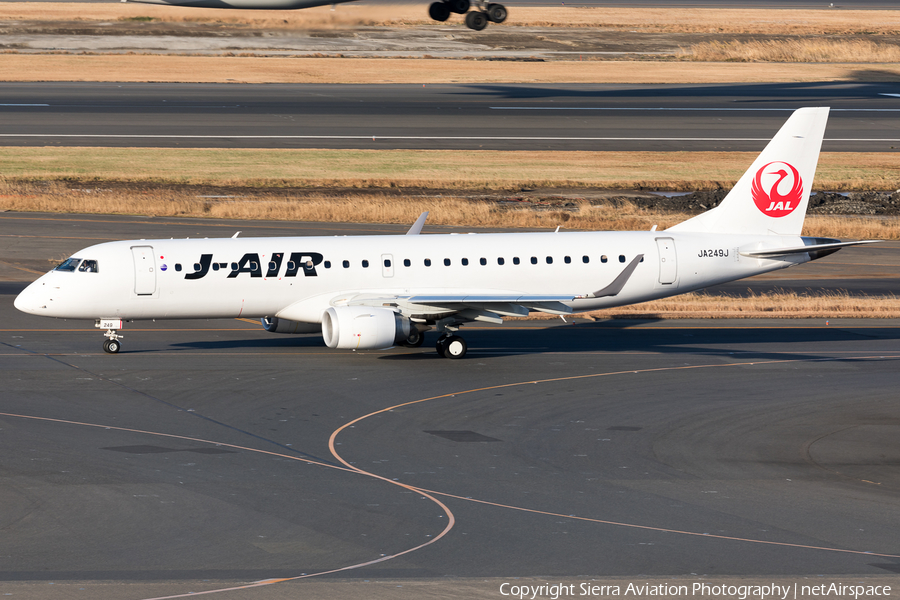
point(368, 292)
point(484, 12)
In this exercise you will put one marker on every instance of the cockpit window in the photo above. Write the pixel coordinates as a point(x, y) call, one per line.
point(88, 266)
point(68, 265)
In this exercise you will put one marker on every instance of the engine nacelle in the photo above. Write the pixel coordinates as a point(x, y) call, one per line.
point(363, 327)
point(276, 325)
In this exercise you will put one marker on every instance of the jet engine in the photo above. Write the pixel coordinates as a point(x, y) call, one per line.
point(276, 325)
point(363, 327)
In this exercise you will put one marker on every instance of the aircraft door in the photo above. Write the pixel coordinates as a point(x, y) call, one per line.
point(387, 265)
point(668, 262)
point(144, 270)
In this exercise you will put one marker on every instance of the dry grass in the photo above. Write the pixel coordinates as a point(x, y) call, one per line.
point(771, 305)
point(651, 20)
point(453, 169)
point(816, 50)
point(224, 69)
point(382, 208)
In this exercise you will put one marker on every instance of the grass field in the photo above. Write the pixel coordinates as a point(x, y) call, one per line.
point(454, 169)
point(772, 305)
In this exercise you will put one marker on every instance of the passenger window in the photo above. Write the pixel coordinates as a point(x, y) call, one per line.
point(585, 259)
point(346, 264)
point(215, 266)
point(387, 263)
point(567, 260)
point(327, 264)
point(446, 262)
point(465, 262)
point(549, 260)
point(500, 261)
point(482, 261)
point(365, 264)
point(406, 262)
point(178, 267)
point(515, 260)
point(234, 267)
point(603, 258)
point(88, 266)
point(68, 265)
point(621, 258)
point(534, 260)
point(272, 266)
point(427, 262)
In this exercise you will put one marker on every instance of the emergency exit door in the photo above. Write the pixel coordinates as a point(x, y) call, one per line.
point(668, 263)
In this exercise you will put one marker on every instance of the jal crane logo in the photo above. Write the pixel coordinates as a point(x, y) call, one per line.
point(773, 203)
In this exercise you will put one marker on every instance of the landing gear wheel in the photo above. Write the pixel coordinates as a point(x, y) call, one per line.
point(112, 346)
point(455, 347)
point(415, 339)
point(441, 345)
point(497, 13)
point(439, 11)
point(476, 20)
point(459, 7)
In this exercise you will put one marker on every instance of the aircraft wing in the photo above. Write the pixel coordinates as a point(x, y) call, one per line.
point(490, 307)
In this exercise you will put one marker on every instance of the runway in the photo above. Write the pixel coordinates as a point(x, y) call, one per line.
point(865, 117)
point(208, 455)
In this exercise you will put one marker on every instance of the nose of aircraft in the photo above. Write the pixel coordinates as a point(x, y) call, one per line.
point(29, 300)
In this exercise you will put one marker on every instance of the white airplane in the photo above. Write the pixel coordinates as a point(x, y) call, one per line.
point(484, 11)
point(368, 292)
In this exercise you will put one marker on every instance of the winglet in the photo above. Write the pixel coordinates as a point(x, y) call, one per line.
point(416, 228)
point(619, 282)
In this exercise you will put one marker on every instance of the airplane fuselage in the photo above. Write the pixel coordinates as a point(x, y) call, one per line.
point(300, 277)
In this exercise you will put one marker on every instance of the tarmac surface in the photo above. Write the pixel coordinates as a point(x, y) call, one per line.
point(209, 455)
point(612, 117)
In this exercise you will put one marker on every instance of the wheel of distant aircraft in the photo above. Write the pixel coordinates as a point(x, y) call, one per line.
point(439, 11)
point(459, 7)
point(476, 20)
point(497, 13)
point(112, 346)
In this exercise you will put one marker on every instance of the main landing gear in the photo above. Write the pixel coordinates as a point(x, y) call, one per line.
point(112, 345)
point(451, 346)
point(477, 19)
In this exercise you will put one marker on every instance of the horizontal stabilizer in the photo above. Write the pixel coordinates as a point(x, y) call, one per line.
point(815, 250)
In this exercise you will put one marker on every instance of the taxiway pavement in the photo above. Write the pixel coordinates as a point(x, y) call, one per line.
point(211, 454)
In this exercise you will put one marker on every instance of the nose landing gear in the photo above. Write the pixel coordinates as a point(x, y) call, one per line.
point(476, 19)
point(112, 344)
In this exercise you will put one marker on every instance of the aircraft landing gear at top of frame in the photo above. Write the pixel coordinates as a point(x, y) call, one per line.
point(477, 19)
